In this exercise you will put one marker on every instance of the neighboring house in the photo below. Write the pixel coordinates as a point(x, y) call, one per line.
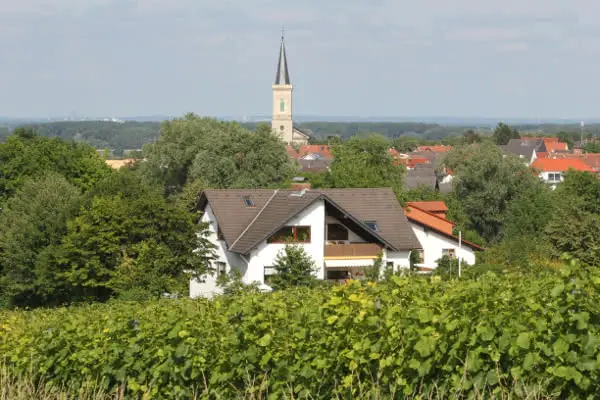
point(343, 230)
point(310, 152)
point(435, 149)
point(525, 149)
point(315, 152)
point(318, 165)
point(551, 170)
point(435, 233)
point(422, 176)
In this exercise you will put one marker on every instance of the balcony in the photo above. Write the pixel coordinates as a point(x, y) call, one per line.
point(354, 251)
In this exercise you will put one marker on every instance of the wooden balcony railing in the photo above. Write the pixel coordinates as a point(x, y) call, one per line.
point(358, 250)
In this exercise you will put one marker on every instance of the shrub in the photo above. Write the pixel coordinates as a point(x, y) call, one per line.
point(406, 336)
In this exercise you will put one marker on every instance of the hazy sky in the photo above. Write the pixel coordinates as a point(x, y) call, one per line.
point(497, 58)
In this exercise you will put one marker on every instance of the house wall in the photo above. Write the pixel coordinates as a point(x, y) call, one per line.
point(545, 175)
point(433, 243)
point(401, 259)
point(207, 286)
point(266, 253)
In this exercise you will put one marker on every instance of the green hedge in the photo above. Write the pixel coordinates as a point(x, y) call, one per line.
point(405, 336)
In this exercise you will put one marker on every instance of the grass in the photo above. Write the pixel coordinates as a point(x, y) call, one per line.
point(12, 388)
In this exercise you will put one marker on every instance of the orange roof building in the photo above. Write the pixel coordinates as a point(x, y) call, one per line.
point(435, 233)
point(435, 148)
point(560, 165)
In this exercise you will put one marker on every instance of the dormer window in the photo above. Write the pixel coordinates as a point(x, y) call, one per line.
point(248, 201)
point(372, 225)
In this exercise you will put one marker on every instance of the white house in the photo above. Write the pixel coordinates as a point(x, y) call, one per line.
point(343, 230)
point(551, 170)
point(434, 231)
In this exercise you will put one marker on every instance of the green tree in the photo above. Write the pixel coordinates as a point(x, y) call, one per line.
point(471, 137)
point(503, 133)
point(221, 154)
point(294, 267)
point(591, 147)
point(405, 144)
point(577, 233)
point(485, 184)
point(26, 154)
point(365, 163)
point(129, 237)
point(32, 225)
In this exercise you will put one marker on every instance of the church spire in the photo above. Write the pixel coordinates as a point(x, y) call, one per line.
point(283, 75)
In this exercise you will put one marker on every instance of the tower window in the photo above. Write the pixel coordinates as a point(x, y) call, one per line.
point(282, 127)
point(281, 105)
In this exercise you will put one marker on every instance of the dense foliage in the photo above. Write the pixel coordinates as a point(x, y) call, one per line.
point(72, 229)
point(406, 336)
point(219, 154)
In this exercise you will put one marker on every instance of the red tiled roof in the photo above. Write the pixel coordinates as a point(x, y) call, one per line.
point(429, 206)
point(415, 211)
point(430, 220)
point(412, 161)
point(321, 149)
point(292, 153)
point(541, 154)
point(435, 149)
point(560, 164)
point(553, 146)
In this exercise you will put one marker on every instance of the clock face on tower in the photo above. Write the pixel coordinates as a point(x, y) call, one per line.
point(281, 105)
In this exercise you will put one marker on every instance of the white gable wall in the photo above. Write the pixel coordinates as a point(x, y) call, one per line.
point(207, 287)
point(265, 253)
point(352, 237)
point(434, 243)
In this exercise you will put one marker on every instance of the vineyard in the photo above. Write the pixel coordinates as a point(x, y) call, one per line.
point(410, 336)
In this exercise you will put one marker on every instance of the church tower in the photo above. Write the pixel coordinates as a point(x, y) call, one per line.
point(282, 122)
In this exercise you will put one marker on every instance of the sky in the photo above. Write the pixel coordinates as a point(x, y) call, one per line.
point(454, 58)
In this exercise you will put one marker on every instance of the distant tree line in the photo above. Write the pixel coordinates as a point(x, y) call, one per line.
point(131, 135)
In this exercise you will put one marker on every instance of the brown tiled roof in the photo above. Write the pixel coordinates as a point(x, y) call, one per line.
point(245, 227)
point(314, 165)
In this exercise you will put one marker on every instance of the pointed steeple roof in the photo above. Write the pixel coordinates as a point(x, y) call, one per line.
point(283, 75)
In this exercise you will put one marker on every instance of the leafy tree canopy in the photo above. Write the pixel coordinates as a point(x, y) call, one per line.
point(503, 133)
point(364, 163)
point(486, 183)
point(221, 154)
point(26, 154)
point(32, 225)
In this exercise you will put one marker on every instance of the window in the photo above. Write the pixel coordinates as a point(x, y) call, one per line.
point(221, 268)
point(281, 127)
point(269, 272)
point(449, 253)
point(248, 201)
point(554, 177)
point(336, 232)
point(281, 105)
point(291, 234)
point(372, 225)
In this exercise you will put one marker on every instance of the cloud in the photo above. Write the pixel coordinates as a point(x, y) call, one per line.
point(513, 47)
point(482, 34)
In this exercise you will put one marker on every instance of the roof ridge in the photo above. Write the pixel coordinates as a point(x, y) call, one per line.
point(255, 218)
